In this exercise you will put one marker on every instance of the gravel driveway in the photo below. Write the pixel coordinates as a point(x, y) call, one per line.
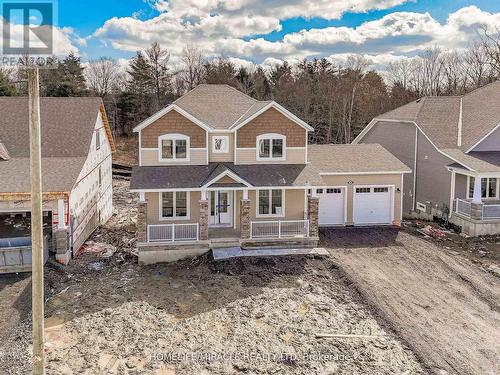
point(441, 304)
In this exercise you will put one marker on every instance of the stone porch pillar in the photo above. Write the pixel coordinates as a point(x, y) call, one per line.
point(142, 222)
point(312, 215)
point(245, 219)
point(203, 220)
point(476, 211)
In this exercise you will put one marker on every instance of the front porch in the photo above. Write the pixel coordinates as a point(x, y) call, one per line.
point(476, 203)
point(180, 224)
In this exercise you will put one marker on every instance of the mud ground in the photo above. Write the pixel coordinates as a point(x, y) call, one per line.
point(439, 301)
point(419, 307)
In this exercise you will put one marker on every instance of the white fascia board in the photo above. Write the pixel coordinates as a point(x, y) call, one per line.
point(166, 110)
point(482, 139)
point(364, 131)
point(361, 173)
point(280, 109)
point(418, 127)
point(228, 173)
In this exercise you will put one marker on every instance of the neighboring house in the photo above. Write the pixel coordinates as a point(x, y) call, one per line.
point(452, 144)
point(219, 169)
point(76, 170)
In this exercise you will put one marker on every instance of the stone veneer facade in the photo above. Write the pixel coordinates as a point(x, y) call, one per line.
point(245, 219)
point(312, 213)
point(203, 220)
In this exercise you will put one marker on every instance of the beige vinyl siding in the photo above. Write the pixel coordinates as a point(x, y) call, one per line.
point(153, 209)
point(249, 156)
point(294, 205)
point(221, 157)
point(385, 179)
point(198, 156)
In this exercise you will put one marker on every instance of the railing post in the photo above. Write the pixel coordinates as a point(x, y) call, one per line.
point(173, 232)
point(251, 229)
point(197, 231)
point(279, 228)
point(147, 233)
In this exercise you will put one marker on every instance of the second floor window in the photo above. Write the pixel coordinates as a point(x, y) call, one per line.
point(174, 147)
point(271, 147)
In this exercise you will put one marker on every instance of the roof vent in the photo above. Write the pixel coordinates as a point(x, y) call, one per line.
point(4, 154)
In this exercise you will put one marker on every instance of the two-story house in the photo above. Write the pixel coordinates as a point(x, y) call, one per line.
point(218, 168)
point(452, 145)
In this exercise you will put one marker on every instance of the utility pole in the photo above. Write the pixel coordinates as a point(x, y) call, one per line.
point(37, 288)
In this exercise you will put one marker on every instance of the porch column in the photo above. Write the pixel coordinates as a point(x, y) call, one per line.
point(477, 204)
point(245, 218)
point(142, 222)
point(312, 215)
point(61, 214)
point(203, 220)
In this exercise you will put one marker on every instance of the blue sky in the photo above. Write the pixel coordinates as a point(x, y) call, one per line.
point(254, 31)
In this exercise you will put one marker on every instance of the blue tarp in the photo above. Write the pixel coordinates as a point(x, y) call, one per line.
point(15, 242)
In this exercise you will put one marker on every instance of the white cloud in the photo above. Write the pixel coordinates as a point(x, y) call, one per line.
point(232, 27)
point(64, 39)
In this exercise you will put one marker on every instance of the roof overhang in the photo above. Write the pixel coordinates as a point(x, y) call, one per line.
point(164, 111)
point(229, 174)
point(280, 109)
point(362, 173)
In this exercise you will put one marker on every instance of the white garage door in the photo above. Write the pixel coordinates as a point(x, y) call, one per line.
point(372, 205)
point(331, 206)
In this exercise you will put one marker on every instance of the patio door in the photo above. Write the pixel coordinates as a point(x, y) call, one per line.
point(221, 208)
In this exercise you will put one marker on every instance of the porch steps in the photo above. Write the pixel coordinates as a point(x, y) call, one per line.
point(224, 243)
point(237, 252)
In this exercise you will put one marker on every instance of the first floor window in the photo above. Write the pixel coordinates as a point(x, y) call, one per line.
point(271, 202)
point(174, 147)
point(174, 205)
point(488, 187)
point(271, 146)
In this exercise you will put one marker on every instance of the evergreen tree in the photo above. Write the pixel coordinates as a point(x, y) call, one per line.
point(66, 80)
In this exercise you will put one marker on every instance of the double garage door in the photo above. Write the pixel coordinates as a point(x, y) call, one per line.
point(370, 205)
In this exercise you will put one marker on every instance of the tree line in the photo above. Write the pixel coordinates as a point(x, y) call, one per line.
point(338, 100)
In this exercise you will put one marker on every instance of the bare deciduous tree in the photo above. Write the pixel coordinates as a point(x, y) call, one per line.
point(103, 76)
point(192, 67)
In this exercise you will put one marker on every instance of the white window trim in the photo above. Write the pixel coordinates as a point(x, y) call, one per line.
point(173, 137)
point(225, 139)
point(497, 192)
point(175, 217)
point(271, 137)
point(283, 204)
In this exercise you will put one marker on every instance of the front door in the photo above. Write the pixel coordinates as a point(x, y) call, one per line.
point(221, 208)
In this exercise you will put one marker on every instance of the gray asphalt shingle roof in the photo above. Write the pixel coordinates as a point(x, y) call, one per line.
point(341, 159)
point(218, 106)
point(438, 117)
point(67, 126)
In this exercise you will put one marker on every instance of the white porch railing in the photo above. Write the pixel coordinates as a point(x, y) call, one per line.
point(279, 229)
point(463, 207)
point(173, 232)
point(491, 211)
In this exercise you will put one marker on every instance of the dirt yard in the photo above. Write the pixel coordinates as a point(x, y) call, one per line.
point(115, 317)
point(407, 306)
point(442, 304)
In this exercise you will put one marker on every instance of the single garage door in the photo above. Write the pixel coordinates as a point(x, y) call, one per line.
point(331, 206)
point(372, 205)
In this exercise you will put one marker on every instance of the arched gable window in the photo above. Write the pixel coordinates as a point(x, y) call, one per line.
point(271, 146)
point(173, 147)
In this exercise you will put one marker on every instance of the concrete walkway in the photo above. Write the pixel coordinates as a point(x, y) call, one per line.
point(237, 252)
